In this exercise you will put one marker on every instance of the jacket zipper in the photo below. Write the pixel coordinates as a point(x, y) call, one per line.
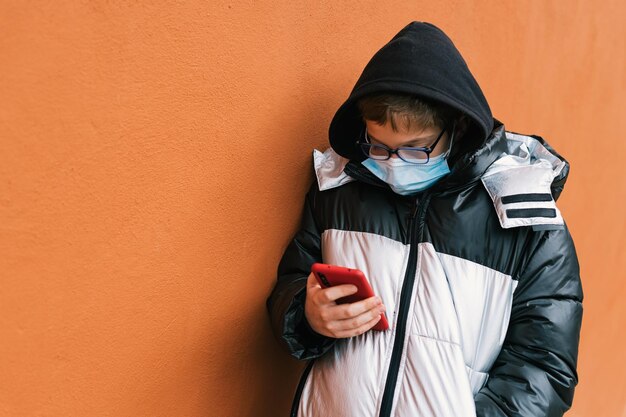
point(417, 222)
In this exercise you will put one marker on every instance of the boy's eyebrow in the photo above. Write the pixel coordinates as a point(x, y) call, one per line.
point(433, 136)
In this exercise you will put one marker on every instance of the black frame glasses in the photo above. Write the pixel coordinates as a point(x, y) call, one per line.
point(408, 154)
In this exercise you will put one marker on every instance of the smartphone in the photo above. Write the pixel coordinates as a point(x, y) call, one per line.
point(331, 275)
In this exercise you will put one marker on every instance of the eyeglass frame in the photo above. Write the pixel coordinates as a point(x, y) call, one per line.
point(427, 150)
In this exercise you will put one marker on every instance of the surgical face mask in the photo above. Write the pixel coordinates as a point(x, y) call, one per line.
point(406, 178)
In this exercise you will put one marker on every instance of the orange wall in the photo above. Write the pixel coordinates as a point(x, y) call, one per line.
point(153, 161)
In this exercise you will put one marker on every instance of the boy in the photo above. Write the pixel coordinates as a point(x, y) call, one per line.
point(453, 221)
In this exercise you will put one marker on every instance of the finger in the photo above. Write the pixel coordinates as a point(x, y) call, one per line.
point(347, 311)
point(359, 330)
point(358, 321)
point(333, 293)
point(312, 283)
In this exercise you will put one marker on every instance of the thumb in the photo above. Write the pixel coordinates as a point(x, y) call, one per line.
point(312, 284)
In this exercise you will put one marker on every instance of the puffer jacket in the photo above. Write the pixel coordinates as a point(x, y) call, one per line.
point(478, 273)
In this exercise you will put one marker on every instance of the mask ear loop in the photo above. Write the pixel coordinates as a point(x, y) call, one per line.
point(365, 139)
point(447, 153)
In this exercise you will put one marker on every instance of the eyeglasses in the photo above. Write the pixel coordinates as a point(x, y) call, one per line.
point(413, 155)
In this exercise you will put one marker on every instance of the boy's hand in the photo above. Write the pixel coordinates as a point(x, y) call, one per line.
point(328, 318)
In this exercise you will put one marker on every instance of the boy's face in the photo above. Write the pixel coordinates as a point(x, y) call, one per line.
point(418, 136)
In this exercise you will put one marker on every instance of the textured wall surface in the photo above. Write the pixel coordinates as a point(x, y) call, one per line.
point(153, 160)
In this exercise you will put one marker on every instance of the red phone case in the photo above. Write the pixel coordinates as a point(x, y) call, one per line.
point(331, 275)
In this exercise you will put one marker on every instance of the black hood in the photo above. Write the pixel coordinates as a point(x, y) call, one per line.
point(420, 60)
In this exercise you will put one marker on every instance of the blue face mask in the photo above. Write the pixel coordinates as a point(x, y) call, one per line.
point(406, 178)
